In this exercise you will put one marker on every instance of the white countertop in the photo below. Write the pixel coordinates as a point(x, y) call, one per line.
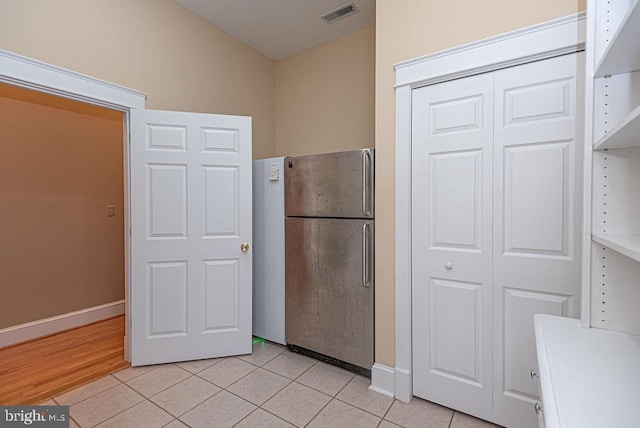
point(588, 377)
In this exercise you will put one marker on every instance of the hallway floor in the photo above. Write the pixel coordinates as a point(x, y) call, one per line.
point(34, 371)
point(270, 388)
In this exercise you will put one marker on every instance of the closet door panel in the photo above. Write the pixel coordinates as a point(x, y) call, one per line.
point(536, 233)
point(452, 185)
point(536, 197)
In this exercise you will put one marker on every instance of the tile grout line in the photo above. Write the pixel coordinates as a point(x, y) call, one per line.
point(358, 407)
point(319, 411)
point(171, 386)
point(331, 397)
point(201, 370)
point(250, 413)
point(234, 382)
point(184, 380)
point(255, 368)
point(273, 414)
point(295, 380)
point(290, 381)
point(91, 396)
point(364, 410)
point(259, 405)
point(133, 368)
point(175, 384)
point(279, 374)
point(128, 408)
point(268, 361)
point(124, 410)
point(393, 400)
point(199, 403)
point(171, 421)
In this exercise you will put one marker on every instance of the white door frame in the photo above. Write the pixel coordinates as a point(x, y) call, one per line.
point(32, 74)
point(552, 38)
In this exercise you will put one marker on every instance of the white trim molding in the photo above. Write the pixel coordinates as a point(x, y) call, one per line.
point(45, 327)
point(546, 40)
point(30, 73)
point(382, 379)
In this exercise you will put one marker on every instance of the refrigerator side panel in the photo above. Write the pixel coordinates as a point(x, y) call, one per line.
point(330, 185)
point(329, 287)
point(268, 249)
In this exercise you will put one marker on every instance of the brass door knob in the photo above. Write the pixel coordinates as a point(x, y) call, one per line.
point(244, 247)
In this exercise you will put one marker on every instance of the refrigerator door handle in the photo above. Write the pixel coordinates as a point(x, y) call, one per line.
point(366, 263)
point(366, 164)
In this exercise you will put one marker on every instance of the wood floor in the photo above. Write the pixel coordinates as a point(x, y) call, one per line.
point(35, 371)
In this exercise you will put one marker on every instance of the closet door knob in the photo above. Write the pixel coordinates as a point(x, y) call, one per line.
point(537, 408)
point(244, 247)
point(448, 265)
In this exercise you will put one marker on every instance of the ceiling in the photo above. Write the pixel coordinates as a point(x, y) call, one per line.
point(281, 28)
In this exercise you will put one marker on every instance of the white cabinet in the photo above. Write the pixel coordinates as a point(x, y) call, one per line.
point(589, 376)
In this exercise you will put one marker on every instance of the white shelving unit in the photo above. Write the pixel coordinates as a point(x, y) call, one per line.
point(623, 135)
point(589, 370)
point(615, 191)
point(627, 245)
point(617, 58)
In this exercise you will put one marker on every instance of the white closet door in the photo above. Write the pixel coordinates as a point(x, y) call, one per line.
point(452, 147)
point(536, 233)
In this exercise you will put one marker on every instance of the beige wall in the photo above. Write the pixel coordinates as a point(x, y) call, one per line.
point(406, 29)
point(61, 165)
point(156, 46)
point(325, 97)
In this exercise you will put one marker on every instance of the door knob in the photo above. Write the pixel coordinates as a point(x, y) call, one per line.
point(244, 247)
point(537, 408)
point(448, 265)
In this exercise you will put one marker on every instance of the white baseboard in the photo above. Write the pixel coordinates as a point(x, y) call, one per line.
point(47, 326)
point(403, 385)
point(382, 379)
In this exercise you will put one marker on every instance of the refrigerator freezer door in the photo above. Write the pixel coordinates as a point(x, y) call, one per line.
point(329, 287)
point(330, 185)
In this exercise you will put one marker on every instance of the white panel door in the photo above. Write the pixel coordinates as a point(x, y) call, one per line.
point(536, 234)
point(451, 247)
point(190, 214)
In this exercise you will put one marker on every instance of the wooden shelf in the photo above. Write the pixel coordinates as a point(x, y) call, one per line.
point(588, 377)
point(622, 55)
point(628, 245)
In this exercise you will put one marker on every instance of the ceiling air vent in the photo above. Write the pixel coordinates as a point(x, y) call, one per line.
point(339, 13)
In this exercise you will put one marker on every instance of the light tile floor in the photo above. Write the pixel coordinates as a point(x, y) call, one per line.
point(270, 388)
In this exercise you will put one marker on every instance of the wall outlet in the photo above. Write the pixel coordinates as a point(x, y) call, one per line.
point(111, 210)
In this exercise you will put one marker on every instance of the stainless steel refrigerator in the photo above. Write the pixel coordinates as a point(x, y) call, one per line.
point(329, 262)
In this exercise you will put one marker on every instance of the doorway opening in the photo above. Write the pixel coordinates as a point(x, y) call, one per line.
point(62, 207)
